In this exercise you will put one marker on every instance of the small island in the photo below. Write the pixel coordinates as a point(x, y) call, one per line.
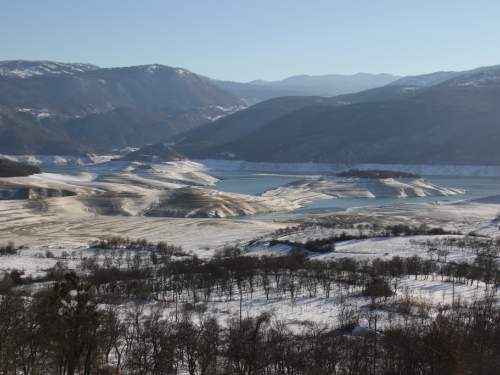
point(9, 168)
point(361, 184)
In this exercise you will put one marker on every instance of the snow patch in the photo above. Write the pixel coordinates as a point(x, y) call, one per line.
point(478, 80)
point(334, 187)
point(181, 72)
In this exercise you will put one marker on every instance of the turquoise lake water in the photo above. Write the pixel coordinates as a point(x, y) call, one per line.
point(255, 183)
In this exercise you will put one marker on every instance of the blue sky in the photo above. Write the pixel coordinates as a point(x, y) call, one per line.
point(246, 40)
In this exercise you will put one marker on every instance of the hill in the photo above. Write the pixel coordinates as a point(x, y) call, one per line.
point(456, 122)
point(154, 153)
point(389, 92)
point(435, 78)
point(241, 123)
point(23, 69)
point(134, 127)
point(9, 168)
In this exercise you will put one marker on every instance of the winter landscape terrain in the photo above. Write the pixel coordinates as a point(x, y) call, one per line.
point(126, 254)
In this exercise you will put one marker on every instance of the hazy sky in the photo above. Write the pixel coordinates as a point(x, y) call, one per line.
point(245, 40)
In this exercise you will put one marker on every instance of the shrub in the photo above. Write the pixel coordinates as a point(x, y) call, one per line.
point(9, 249)
point(200, 307)
point(376, 173)
point(9, 168)
point(378, 287)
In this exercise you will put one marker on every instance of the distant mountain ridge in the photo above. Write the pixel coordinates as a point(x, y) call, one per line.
point(69, 109)
point(456, 122)
point(431, 79)
point(301, 85)
point(24, 69)
point(332, 81)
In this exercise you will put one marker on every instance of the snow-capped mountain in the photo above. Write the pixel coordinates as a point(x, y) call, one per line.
point(46, 104)
point(25, 69)
point(456, 122)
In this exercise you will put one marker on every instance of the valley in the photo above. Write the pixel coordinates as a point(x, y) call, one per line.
point(249, 188)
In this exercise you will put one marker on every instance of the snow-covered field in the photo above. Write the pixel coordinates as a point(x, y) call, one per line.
point(135, 189)
point(305, 308)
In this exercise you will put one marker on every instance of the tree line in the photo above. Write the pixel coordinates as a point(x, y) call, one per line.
point(63, 330)
point(144, 311)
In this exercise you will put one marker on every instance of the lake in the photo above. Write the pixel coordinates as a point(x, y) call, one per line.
point(255, 183)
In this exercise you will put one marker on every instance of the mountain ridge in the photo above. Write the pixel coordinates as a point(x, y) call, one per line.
point(301, 85)
point(39, 107)
point(454, 122)
point(431, 79)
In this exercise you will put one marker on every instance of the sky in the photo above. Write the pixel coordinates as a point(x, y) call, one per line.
point(246, 40)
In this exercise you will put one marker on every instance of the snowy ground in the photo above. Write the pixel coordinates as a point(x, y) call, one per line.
point(111, 206)
point(327, 187)
point(136, 189)
point(305, 309)
point(480, 215)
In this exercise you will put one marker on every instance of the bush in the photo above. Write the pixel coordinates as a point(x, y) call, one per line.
point(378, 287)
point(15, 275)
point(6, 283)
point(9, 168)
point(200, 307)
point(320, 245)
point(376, 173)
point(9, 249)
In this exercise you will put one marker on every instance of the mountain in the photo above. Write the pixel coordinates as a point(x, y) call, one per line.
point(28, 131)
point(389, 92)
point(132, 127)
point(99, 90)
point(23, 69)
point(56, 105)
point(244, 122)
point(154, 153)
point(455, 122)
point(335, 83)
point(326, 85)
point(431, 79)
point(241, 123)
point(253, 93)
